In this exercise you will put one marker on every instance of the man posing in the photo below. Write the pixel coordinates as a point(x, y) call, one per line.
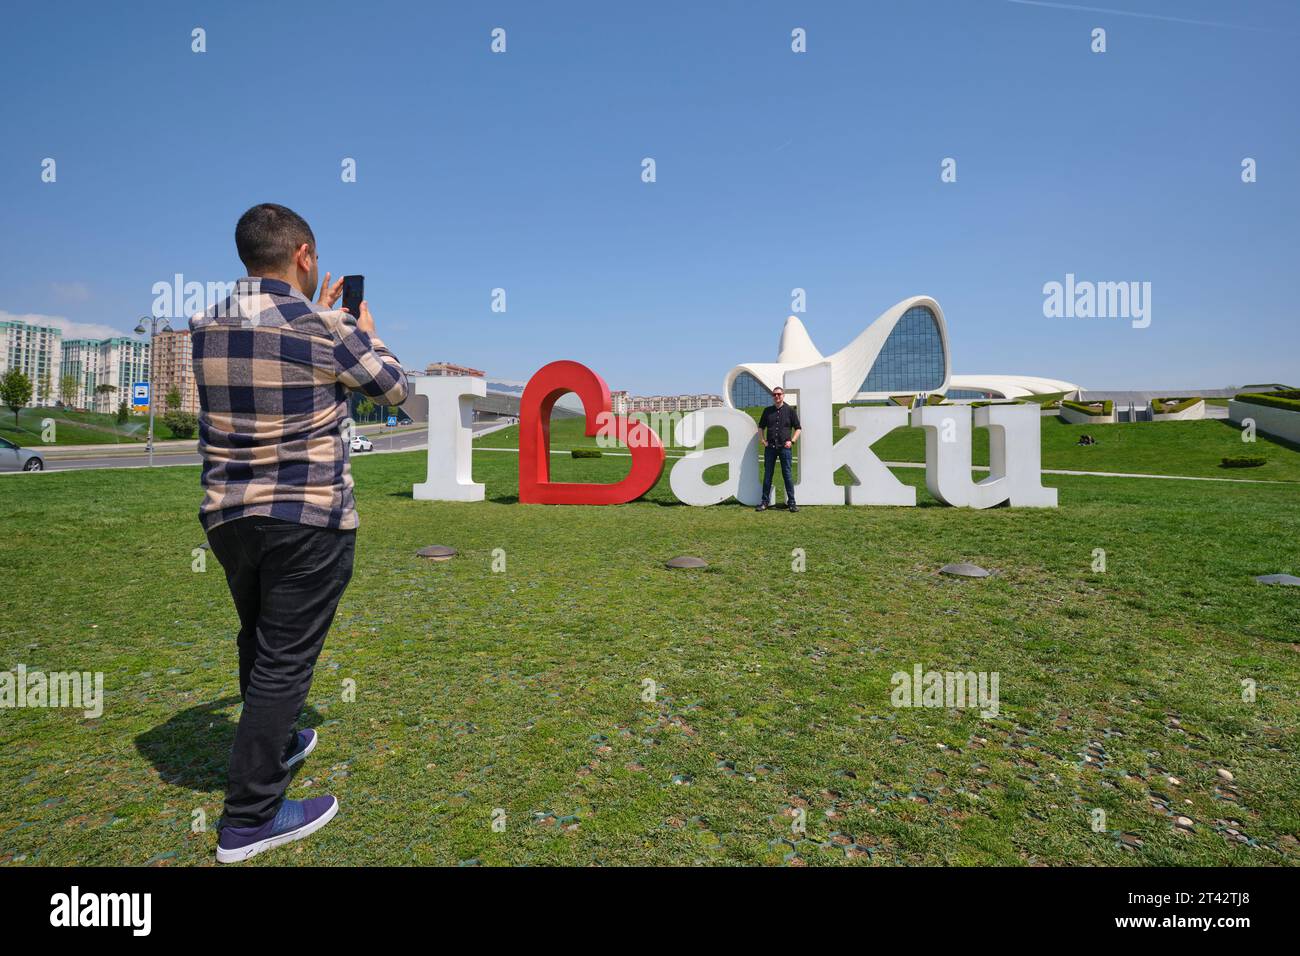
point(779, 425)
point(273, 371)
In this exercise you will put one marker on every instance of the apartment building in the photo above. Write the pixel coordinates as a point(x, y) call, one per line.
point(104, 370)
point(451, 368)
point(173, 368)
point(36, 351)
point(669, 403)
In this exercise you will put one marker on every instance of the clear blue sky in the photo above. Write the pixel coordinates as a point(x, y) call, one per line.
point(775, 170)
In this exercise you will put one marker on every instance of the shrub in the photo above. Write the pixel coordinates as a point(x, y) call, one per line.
point(1288, 399)
point(181, 424)
point(1243, 461)
point(1097, 408)
point(586, 453)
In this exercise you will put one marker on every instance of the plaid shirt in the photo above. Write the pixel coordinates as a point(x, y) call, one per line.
point(273, 370)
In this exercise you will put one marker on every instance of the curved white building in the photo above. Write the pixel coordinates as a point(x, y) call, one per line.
point(1005, 386)
point(904, 351)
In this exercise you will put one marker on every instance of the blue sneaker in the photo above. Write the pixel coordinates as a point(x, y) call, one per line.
point(296, 819)
point(306, 744)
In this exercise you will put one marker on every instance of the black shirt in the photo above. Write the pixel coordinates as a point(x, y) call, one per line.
point(781, 423)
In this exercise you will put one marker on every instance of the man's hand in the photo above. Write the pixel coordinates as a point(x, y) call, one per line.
point(330, 294)
point(789, 444)
point(365, 321)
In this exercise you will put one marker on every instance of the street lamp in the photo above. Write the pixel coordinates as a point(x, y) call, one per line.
point(153, 324)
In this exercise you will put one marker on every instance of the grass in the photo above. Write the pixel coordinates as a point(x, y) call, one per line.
point(77, 428)
point(522, 690)
point(1193, 449)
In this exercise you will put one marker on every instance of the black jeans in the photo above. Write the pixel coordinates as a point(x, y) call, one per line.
point(770, 454)
point(286, 579)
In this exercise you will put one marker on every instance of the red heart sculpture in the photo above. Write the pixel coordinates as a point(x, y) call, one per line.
point(540, 394)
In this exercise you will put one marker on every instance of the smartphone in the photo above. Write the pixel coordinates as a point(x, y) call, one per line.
point(354, 290)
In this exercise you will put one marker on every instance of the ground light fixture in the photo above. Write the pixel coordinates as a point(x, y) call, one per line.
point(437, 552)
point(1286, 580)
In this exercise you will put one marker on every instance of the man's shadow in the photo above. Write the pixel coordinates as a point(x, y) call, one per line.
point(193, 748)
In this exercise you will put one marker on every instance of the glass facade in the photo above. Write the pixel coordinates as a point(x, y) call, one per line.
point(749, 392)
point(912, 359)
point(971, 393)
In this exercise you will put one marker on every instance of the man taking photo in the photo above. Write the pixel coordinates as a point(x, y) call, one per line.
point(779, 428)
point(273, 370)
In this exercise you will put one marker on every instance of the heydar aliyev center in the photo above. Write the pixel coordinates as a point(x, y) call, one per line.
point(903, 352)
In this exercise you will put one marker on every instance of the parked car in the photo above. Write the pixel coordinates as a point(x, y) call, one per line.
point(15, 458)
point(362, 443)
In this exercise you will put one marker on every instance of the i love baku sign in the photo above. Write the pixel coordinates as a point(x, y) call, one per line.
point(1015, 453)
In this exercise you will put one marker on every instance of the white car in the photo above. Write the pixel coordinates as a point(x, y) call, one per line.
point(362, 443)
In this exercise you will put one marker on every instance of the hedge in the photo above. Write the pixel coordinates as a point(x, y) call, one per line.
point(1288, 399)
point(586, 453)
point(1107, 407)
point(1168, 406)
point(1243, 461)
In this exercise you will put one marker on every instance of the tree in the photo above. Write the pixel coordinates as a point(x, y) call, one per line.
point(180, 424)
point(15, 391)
point(123, 413)
point(44, 391)
point(105, 390)
point(174, 401)
point(364, 408)
point(68, 390)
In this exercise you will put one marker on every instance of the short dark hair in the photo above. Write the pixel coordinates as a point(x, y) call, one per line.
point(268, 235)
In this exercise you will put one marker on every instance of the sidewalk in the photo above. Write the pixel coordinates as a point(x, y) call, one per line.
point(186, 446)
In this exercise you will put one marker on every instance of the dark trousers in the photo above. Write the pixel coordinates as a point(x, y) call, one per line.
point(286, 579)
point(770, 455)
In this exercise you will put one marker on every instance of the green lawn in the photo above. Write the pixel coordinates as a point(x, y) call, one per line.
point(522, 690)
point(1194, 449)
point(77, 428)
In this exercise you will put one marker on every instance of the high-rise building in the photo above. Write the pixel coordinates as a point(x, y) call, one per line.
point(36, 351)
point(104, 369)
point(173, 368)
point(619, 402)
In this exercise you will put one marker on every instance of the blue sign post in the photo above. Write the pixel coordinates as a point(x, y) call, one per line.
point(392, 421)
point(140, 394)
